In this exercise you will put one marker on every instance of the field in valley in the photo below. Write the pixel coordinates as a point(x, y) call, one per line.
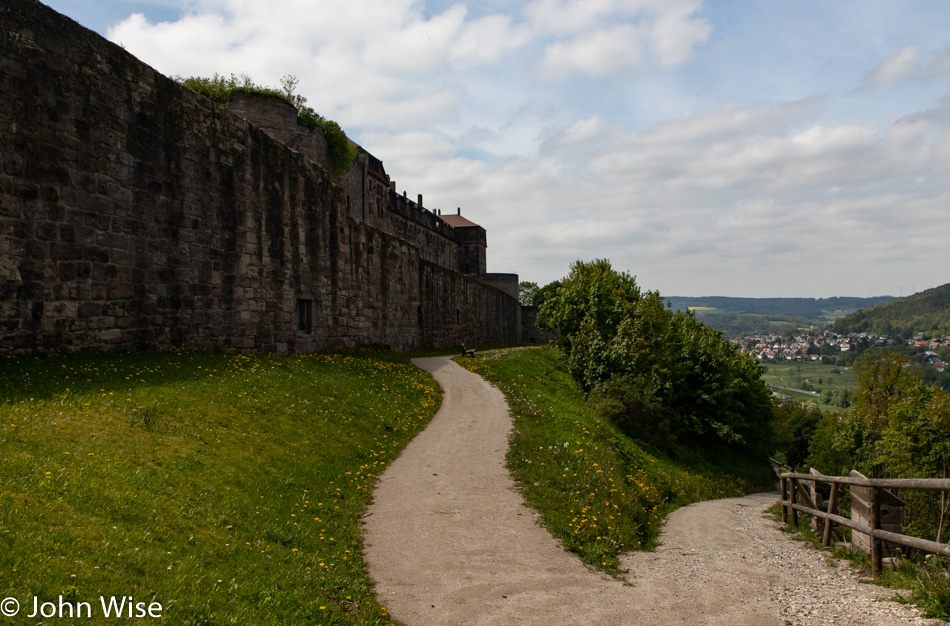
point(808, 375)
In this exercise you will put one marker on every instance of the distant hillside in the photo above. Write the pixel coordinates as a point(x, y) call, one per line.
point(739, 317)
point(926, 312)
point(811, 308)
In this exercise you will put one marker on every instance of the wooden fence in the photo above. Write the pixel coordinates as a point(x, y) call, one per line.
point(793, 493)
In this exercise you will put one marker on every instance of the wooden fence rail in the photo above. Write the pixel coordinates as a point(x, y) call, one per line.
point(793, 491)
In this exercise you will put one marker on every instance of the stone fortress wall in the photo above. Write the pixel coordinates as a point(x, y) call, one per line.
point(136, 213)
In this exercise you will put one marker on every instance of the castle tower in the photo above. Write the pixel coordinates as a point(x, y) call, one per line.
point(472, 244)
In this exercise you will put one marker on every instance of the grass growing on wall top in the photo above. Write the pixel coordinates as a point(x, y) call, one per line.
point(597, 490)
point(227, 487)
point(219, 89)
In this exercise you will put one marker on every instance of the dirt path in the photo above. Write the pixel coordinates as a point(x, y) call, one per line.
point(449, 541)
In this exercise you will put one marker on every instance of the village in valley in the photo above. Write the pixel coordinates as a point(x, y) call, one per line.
point(828, 346)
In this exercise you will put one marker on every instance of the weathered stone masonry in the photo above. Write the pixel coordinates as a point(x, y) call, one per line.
point(135, 213)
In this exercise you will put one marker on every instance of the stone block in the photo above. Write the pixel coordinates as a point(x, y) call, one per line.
point(119, 290)
point(46, 231)
point(67, 252)
point(110, 337)
point(38, 250)
point(96, 254)
point(89, 309)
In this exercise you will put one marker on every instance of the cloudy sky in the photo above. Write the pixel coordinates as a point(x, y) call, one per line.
point(719, 147)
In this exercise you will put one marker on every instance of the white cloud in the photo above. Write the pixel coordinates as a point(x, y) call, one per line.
point(763, 193)
point(419, 46)
point(487, 41)
point(608, 37)
point(746, 192)
point(905, 67)
point(676, 34)
point(369, 64)
point(902, 67)
point(602, 52)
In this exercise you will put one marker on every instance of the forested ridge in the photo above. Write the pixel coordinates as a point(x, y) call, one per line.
point(926, 312)
point(744, 317)
point(792, 307)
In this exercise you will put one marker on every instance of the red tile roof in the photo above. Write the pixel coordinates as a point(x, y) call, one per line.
point(457, 221)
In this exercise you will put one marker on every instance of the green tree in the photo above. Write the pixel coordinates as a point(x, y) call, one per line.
point(881, 381)
point(542, 295)
point(526, 292)
point(896, 425)
point(585, 313)
point(794, 429)
point(844, 398)
point(660, 375)
point(916, 444)
point(828, 451)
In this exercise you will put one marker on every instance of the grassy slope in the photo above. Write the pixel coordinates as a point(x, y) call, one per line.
point(226, 487)
point(597, 491)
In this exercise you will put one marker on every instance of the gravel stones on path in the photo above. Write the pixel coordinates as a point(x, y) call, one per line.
point(449, 541)
point(725, 561)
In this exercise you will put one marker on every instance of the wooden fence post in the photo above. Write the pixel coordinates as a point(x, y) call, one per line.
point(876, 557)
point(875, 512)
point(784, 499)
point(832, 503)
point(793, 499)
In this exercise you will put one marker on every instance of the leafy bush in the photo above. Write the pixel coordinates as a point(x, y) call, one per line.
point(542, 294)
point(795, 427)
point(897, 427)
point(342, 152)
point(659, 375)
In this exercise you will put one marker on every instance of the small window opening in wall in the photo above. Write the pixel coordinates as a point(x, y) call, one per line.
point(305, 315)
point(458, 316)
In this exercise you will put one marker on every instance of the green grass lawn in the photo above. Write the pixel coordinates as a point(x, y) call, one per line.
point(597, 490)
point(226, 487)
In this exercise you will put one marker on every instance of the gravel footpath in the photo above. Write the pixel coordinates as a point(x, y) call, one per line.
point(449, 541)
